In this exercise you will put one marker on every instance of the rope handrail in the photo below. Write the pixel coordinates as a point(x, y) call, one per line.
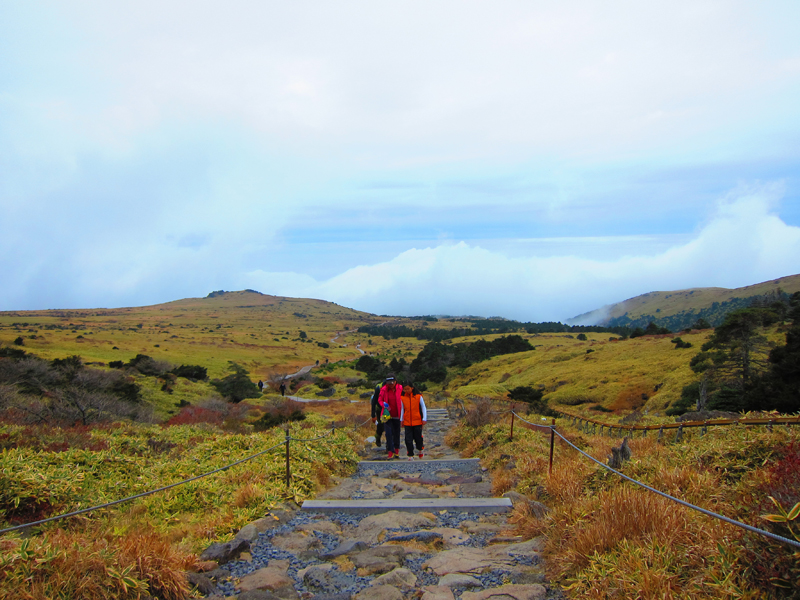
point(709, 513)
point(548, 427)
point(176, 484)
point(142, 495)
point(709, 422)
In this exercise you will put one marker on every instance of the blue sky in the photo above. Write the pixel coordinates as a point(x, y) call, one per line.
point(533, 160)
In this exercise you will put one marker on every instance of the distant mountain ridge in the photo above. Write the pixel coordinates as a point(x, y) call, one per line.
point(679, 309)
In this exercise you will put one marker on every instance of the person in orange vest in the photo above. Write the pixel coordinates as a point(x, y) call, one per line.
point(414, 417)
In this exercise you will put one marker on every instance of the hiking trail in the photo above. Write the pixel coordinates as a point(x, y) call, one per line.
point(396, 529)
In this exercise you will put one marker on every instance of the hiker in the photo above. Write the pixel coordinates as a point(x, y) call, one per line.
point(260, 386)
point(377, 415)
point(283, 388)
point(415, 416)
point(389, 399)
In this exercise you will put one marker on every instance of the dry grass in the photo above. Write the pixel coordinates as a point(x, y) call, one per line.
point(70, 565)
point(502, 481)
point(606, 538)
point(247, 495)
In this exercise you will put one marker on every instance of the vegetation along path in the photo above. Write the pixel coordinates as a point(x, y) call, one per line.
point(439, 536)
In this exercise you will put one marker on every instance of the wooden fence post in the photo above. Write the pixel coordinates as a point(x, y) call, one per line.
point(552, 443)
point(288, 472)
point(511, 438)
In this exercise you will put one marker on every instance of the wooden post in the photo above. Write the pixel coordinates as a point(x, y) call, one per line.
point(511, 438)
point(552, 443)
point(288, 472)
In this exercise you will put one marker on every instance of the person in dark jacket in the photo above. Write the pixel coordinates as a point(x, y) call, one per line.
point(376, 413)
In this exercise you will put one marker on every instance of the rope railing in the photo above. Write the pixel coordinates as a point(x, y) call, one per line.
point(704, 511)
point(142, 495)
point(660, 427)
point(288, 438)
point(745, 526)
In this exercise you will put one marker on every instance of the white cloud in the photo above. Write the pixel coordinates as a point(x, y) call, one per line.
point(742, 243)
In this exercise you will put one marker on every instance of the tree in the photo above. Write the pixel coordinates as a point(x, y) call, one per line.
point(779, 387)
point(735, 354)
point(237, 386)
point(701, 323)
point(533, 397)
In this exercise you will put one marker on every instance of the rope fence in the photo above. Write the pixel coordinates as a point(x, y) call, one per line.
point(287, 439)
point(751, 421)
point(142, 495)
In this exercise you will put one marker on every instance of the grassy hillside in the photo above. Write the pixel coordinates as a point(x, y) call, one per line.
point(645, 373)
point(679, 309)
point(260, 332)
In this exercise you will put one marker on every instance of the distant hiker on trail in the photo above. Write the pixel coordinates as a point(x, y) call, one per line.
point(377, 415)
point(260, 386)
point(283, 388)
point(415, 415)
point(390, 400)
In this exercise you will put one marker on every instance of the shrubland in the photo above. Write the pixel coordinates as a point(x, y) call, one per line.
point(146, 544)
point(607, 538)
point(167, 392)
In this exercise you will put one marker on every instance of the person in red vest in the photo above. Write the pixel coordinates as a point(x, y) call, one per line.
point(415, 415)
point(389, 399)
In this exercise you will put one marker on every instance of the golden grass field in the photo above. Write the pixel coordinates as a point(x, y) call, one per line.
point(605, 539)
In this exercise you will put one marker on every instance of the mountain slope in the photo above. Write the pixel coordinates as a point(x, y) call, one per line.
point(678, 310)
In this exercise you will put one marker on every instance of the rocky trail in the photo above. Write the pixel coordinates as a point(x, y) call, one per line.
point(396, 529)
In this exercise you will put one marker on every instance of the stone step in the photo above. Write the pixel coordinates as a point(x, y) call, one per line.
point(438, 414)
point(470, 505)
point(412, 465)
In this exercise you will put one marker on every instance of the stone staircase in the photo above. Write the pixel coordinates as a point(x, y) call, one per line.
point(395, 530)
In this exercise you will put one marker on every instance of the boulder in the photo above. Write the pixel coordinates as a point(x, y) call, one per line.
point(257, 595)
point(512, 591)
point(225, 552)
point(399, 578)
point(370, 527)
point(381, 559)
point(379, 592)
point(272, 579)
point(203, 584)
point(437, 592)
point(416, 536)
point(467, 560)
point(249, 532)
point(459, 580)
point(296, 542)
point(452, 537)
point(346, 547)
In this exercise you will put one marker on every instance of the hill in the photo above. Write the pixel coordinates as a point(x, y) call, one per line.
point(678, 310)
point(256, 330)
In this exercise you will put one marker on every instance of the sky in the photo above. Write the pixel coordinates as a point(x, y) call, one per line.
point(532, 160)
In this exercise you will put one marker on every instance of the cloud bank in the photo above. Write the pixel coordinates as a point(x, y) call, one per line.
point(743, 242)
